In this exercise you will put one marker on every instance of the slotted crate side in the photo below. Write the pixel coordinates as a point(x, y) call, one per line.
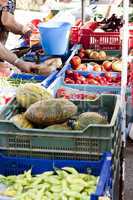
point(50, 155)
point(11, 166)
point(60, 147)
point(58, 143)
point(92, 141)
point(103, 41)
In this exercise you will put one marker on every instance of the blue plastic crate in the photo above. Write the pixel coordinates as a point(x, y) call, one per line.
point(101, 168)
point(25, 76)
point(69, 67)
point(45, 80)
point(87, 87)
point(75, 50)
point(31, 57)
point(49, 80)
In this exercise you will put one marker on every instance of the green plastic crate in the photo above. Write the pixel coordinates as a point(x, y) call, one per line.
point(87, 144)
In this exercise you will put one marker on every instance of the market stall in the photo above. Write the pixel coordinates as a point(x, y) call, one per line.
point(63, 135)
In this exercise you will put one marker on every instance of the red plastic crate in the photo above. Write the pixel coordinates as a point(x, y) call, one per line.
point(75, 35)
point(131, 36)
point(101, 41)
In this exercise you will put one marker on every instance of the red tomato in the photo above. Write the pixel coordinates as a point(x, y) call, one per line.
point(97, 68)
point(85, 82)
point(98, 78)
point(93, 82)
point(76, 60)
point(76, 75)
point(69, 73)
point(108, 75)
point(82, 78)
point(81, 55)
point(78, 82)
point(82, 50)
point(69, 81)
point(91, 76)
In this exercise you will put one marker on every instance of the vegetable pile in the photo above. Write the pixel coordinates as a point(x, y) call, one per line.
point(69, 93)
point(112, 24)
point(61, 184)
point(103, 79)
point(17, 81)
point(38, 109)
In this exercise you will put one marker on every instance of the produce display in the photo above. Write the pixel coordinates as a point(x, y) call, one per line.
point(100, 24)
point(15, 82)
point(21, 120)
point(63, 126)
point(66, 183)
point(41, 110)
point(102, 79)
point(112, 24)
point(69, 93)
point(49, 66)
point(45, 68)
point(114, 65)
point(87, 118)
point(50, 112)
point(92, 54)
point(30, 93)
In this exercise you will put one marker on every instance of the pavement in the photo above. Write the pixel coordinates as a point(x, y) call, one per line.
point(129, 171)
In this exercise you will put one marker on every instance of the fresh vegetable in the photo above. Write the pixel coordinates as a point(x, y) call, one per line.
point(16, 81)
point(68, 93)
point(21, 121)
point(105, 78)
point(29, 93)
point(63, 126)
point(97, 68)
point(62, 184)
point(107, 65)
point(76, 61)
point(117, 66)
point(49, 66)
point(112, 24)
point(50, 112)
point(86, 119)
point(92, 54)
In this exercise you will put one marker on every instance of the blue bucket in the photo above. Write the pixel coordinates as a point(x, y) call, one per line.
point(55, 37)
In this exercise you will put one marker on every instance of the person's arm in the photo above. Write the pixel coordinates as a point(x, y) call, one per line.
point(27, 67)
point(11, 58)
point(6, 55)
point(8, 20)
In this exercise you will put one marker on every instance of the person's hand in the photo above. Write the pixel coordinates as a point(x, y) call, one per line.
point(27, 67)
point(28, 28)
point(45, 70)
